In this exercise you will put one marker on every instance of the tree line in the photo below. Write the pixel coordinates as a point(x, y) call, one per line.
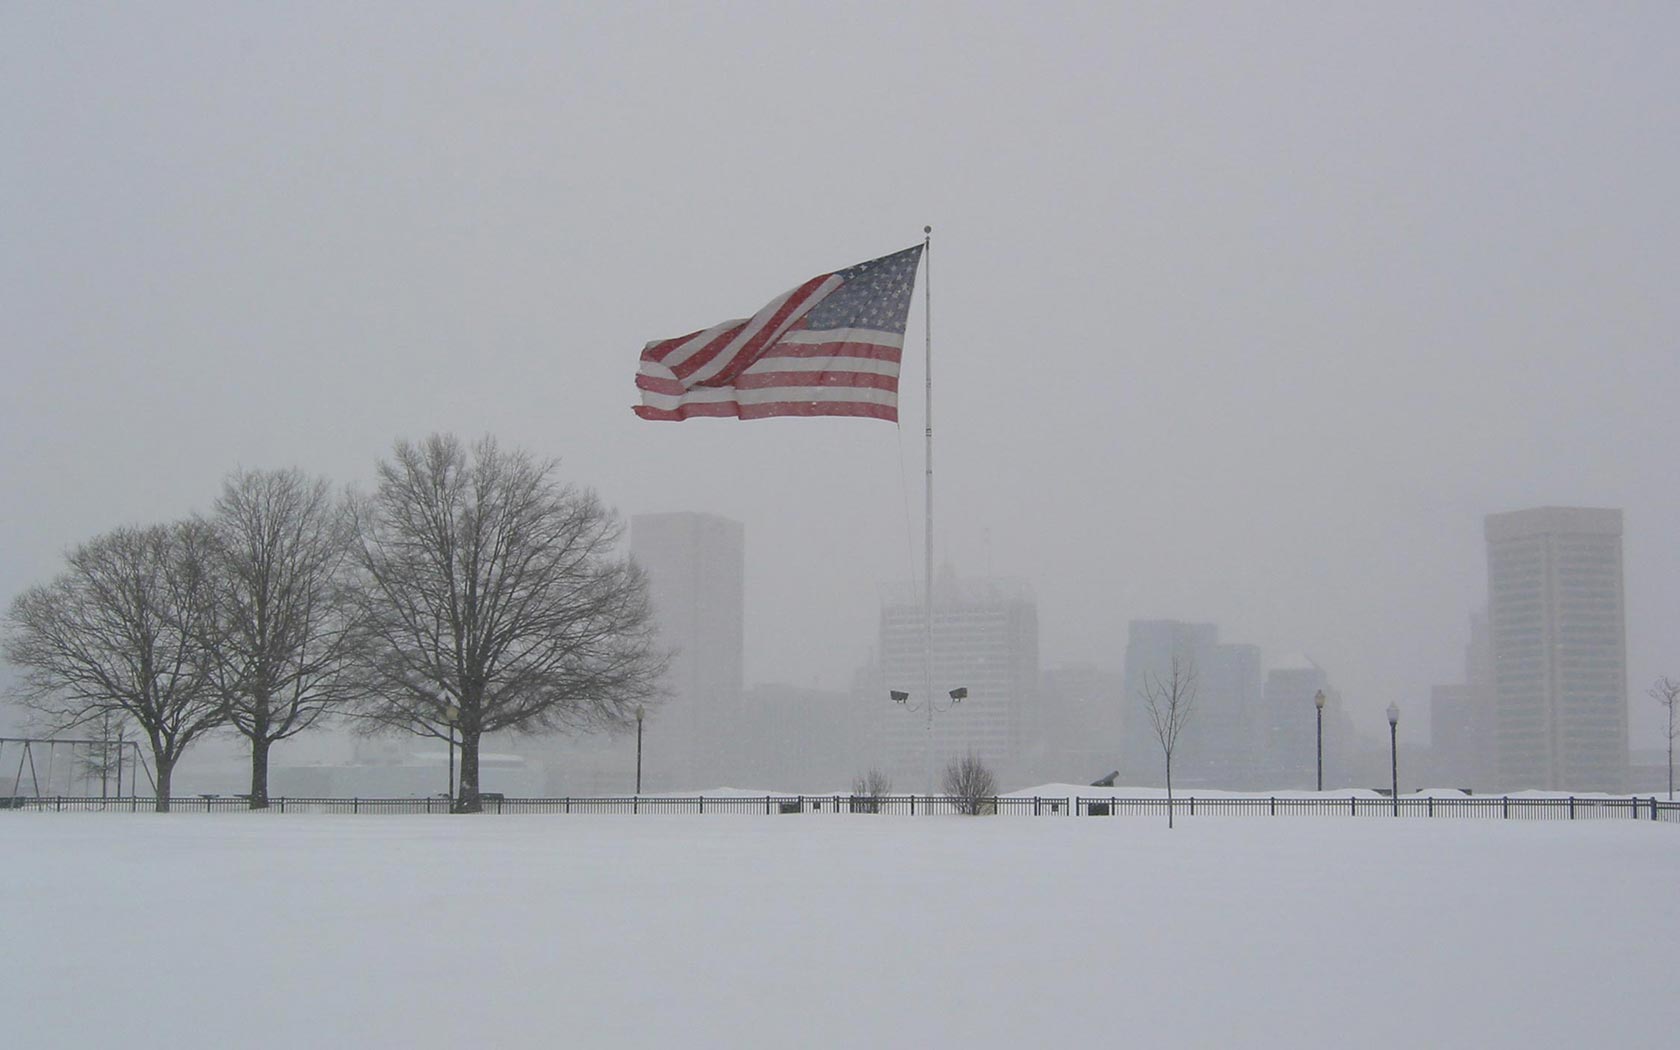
point(471, 591)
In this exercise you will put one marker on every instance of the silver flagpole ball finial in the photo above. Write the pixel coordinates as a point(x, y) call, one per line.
point(927, 229)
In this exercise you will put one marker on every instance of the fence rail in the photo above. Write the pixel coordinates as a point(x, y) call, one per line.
point(1481, 807)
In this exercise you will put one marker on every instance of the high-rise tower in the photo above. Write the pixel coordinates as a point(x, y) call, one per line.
point(1555, 610)
point(695, 565)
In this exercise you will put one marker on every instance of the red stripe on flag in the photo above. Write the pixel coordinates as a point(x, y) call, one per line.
point(745, 354)
point(710, 350)
point(819, 408)
point(659, 385)
point(834, 377)
point(803, 298)
point(865, 351)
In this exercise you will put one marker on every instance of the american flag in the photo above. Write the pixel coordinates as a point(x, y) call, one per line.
point(829, 347)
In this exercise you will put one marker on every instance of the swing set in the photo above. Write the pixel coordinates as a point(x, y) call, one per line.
point(90, 764)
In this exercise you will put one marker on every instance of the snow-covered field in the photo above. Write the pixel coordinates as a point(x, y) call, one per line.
point(835, 931)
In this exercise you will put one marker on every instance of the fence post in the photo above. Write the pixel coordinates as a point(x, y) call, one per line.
point(1505, 807)
point(702, 803)
point(767, 805)
point(1192, 805)
point(1274, 805)
point(1653, 807)
point(1353, 805)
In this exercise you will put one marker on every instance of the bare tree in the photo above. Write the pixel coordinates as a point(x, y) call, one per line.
point(868, 789)
point(493, 600)
point(280, 644)
point(1666, 692)
point(1169, 701)
point(121, 632)
point(969, 783)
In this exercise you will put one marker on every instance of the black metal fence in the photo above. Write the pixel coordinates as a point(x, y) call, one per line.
point(1480, 807)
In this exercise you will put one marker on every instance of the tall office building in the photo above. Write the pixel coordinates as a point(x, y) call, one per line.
point(1555, 609)
point(695, 565)
point(985, 639)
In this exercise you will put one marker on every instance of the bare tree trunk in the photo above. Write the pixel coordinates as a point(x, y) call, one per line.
point(165, 771)
point(259, 770)
point(467, 800)
point(1169, 794)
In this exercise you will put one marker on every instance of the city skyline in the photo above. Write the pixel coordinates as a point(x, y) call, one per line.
point(1255, 332)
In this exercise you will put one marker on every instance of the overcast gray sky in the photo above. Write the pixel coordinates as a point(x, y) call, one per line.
point(1244, 313)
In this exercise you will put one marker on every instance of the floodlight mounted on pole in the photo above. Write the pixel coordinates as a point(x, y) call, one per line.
point(957, 695)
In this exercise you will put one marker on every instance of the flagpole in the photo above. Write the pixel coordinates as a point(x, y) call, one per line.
point(927, 526)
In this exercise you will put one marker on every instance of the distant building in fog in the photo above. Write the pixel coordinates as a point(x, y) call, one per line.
point(695, 565)
point(1151, 646)
point(1291, 728)
point(1078, 729)
point(1223, 746)
point(1555, 610)
point(985, 639)
point(1461, 718)
point(1221, 740)
point(797, 739)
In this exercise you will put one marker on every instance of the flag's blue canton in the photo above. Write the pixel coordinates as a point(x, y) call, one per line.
point(876, 295)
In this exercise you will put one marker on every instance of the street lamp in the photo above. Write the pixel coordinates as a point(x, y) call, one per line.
point(1394, 755)
point(640, 712)
point(451, 715)
point(1318, 701)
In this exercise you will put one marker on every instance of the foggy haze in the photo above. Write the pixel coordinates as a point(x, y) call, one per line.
point(1241, 314)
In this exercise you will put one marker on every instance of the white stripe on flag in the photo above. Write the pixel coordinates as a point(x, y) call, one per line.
point(769, 395)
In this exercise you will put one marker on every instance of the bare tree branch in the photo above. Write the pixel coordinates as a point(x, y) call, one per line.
point(969, 783)
point(1169, 702)
point(491, 589)
point(281, 642)
point(120, 632)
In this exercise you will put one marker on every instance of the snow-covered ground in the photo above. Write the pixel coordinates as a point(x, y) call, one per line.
point(834, 931)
